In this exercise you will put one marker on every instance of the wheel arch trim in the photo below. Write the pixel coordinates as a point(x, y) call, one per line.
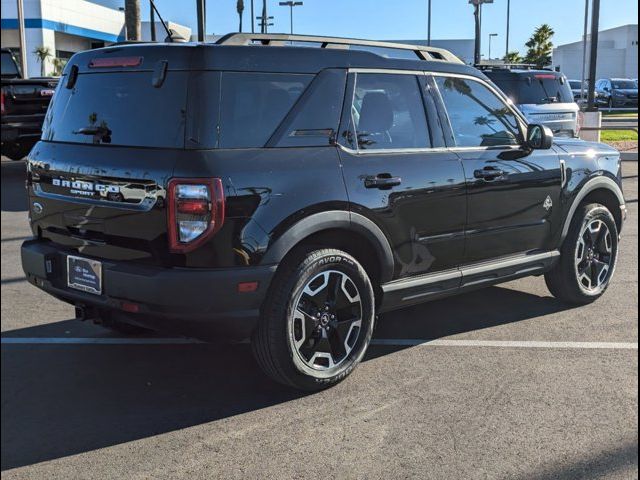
point(591, 185)
point(331, 220)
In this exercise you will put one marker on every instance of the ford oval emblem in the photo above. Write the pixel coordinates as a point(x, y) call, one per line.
point(37, 208)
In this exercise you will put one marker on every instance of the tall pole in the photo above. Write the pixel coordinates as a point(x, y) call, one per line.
point(584, 48)
point(152, 21)
point(201, 19)
point(593, 58)
point(491, 35)
point(23, 42)
point(291, 16)
point(263, 26)
point(476, 14)
point(253, 18)
point(429, 23)
point(508, 25)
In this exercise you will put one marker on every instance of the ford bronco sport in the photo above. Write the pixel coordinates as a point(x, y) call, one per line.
point(261, 188)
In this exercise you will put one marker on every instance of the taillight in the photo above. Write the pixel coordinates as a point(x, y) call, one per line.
point(196, 211)
point(2, 102)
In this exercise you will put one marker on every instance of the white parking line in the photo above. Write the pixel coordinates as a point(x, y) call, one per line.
point(396, 342)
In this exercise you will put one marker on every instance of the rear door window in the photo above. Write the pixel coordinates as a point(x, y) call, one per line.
point(119, 109)
point(254, 104)
point(388, 112)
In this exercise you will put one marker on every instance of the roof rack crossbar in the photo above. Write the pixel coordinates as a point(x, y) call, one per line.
point(281, 39)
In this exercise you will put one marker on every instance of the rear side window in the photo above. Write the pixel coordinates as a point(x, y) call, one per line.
point(254, 104)
point(478, 117)
point(388, 112)
point(119, 109)
point(9, 68)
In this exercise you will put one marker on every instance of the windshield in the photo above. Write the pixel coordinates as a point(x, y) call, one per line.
point(623, 84)
point(575, 85)
point(534, 88)
point(9, 67)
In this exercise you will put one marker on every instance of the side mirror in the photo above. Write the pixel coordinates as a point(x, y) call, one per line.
point(539, 137)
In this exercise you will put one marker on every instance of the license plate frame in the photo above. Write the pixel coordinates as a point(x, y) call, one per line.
point(84, 274)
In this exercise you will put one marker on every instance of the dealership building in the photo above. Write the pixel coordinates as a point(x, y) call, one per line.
point(617, 54)
point(69, 26)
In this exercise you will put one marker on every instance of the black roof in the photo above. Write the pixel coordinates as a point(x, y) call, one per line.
point(289, 59)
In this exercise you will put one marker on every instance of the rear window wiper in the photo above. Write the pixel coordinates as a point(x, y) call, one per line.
point(100, 133)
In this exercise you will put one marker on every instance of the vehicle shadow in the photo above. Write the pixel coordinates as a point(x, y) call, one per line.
point(13, 194)
point(60, 400)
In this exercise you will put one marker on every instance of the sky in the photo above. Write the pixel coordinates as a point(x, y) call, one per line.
point(407, 19)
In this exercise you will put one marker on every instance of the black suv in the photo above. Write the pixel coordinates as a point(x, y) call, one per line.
point(258, 187)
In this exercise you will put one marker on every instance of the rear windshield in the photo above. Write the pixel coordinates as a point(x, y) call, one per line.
point(119, 109)
point(534, 88)
point(9, 68)
point(624, 84)
point(575, 85)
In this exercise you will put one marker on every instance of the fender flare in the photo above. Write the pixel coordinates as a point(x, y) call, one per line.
point(591, 185)
point(335, 219)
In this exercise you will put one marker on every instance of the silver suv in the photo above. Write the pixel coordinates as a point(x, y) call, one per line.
point(543, 96)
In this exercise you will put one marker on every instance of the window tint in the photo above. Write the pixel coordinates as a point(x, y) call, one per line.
point(9, 67)
point(254, 104)
point(624, 84)
point(533, 88)
point(478, 117)
point(119, 109)
point(388, 112)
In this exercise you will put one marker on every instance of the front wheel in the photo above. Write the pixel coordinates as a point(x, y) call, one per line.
point(317, 321)
point(588, 257)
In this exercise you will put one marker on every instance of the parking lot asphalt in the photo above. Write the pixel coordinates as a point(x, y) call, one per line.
point(516, 386)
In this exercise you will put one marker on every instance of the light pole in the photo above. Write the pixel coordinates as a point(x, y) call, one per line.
point(491, 35)
point(508, 25)
point(477, 13)
point(291, 4)
point(429, 23)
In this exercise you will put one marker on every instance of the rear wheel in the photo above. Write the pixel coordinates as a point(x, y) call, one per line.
point(588, 256)
point(317, 321)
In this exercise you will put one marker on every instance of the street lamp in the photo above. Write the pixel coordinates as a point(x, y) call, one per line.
point(491, 35)
point(291, 4)
point(477, 13)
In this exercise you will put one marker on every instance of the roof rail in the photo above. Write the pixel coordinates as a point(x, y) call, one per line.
point(511, 66)
point(281, 39)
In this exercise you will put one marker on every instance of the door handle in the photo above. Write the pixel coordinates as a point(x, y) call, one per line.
point(489, 173)
point(383, 181)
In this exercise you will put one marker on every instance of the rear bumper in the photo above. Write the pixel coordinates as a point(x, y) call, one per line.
point(194, 302)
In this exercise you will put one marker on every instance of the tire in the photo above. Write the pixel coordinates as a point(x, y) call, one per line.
point(580, 278)
point(301, 344)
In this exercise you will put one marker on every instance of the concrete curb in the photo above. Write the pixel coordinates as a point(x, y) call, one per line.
point(629, 156)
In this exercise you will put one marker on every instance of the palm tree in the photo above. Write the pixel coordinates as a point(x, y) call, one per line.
point(540, 46)
point(512, 57)
point(43, 53)
point(240, 10)
point(58, 65)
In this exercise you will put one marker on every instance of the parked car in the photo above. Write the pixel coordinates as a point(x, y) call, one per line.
point(23, 106)
point(293, 194)
point(579, 90)
point(543, 96)
point(617, 92)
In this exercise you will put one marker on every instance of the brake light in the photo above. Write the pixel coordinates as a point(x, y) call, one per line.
point(2, 102)
point(547, 76)
point(195, 213)
point(115, 62)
